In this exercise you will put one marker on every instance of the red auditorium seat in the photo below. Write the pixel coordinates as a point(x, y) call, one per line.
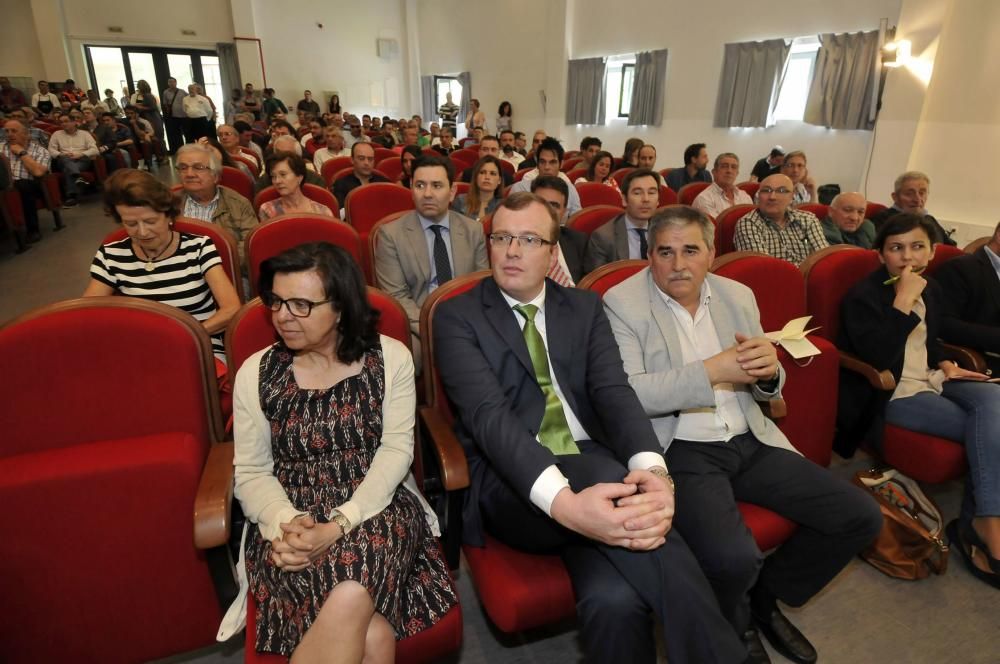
point(595, 193)
point(569, 163)
point(829, 274)
point(51, 195)
point(620, 174)
point(466, 155)
point(751, 188)
point(367, 204)
point(576, 173)
point(250, 331)
point(393, 168)
point(871, 209)
point(663, 172)
point(384, 153)
point(608, 276)
point(333, 166)
point(591, 218)
point(238, 181)
point(311, 191)
point(689, 192)
point(111, 428)
point(942, 254)
point(247, 161)
point(667, 196)
point(275, 236)
point(817, 209)
point(462, 188)
point(725, 228)
point(519, 175)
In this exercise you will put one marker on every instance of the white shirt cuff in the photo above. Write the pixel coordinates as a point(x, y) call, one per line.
point(646, 460)
point(545, 488)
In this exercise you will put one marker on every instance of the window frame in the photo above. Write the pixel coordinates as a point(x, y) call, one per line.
point(621, 89)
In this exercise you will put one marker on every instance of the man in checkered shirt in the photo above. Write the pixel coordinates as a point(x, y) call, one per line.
point(28, 161)
point(776, 228)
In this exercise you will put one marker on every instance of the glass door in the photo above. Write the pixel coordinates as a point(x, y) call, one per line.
point(141, 68)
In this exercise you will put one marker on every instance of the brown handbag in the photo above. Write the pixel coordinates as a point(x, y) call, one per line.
point(909, 545)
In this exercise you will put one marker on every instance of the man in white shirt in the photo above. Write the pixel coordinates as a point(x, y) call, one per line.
point(73, 152)
point(695, 353)
point(334, 148)
point(199, 113)
point(548, 159)
point(44, 101)
point(723, 192)
point(562, 459)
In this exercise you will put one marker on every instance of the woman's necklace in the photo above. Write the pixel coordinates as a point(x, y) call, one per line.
point(150, 259)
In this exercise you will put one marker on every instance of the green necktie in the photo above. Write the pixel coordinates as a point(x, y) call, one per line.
point(554, 432)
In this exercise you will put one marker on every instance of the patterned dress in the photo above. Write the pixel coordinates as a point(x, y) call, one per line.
point(323, 442)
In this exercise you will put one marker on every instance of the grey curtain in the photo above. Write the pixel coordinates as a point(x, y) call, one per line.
point(648, 84)
point(845, 78)
point(749, 84)
point(428, 98)
point(585, 96)
point(229, 68)
point(463, 109)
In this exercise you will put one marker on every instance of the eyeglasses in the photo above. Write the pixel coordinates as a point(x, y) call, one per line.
point(529, 241)
point(197, 168)
point(771, 190)
point(297, 306)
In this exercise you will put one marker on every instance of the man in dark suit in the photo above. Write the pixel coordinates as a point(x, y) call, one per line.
point(972, 300)
point(625, 236)
point(565, 461)
point(572, 244)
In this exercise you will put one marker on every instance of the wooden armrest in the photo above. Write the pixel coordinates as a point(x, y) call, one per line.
point(966, 357)
point(450, 455)
point(880, 380)
point(774, 409)
point(213, 503)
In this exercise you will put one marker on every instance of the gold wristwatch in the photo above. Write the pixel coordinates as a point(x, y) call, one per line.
point(341, 521)
point(662, 473)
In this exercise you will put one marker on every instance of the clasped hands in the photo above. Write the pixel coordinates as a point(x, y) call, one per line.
point(303, 542)
point(750, 359)
point(634, 514)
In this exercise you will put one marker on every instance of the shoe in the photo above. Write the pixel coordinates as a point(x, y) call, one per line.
point(82, 182)
point(34, 237)
point(965, 538)
point(756, 654)
point(59, 226)
point(69, 203)
point(785, 637)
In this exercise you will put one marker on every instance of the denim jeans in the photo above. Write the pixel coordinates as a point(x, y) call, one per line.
point(967, 412)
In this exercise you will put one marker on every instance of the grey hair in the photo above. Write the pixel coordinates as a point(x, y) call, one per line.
point(213, 159)
point(723, 155)
point(681, 216)
point(285, 139)
point(910, 175)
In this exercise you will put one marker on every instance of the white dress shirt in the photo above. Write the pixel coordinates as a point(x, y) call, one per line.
point(196, 106)
point(713, 200)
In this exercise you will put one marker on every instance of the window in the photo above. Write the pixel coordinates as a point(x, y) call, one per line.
point(797, 79)
point(618, 86)
point(444, 85)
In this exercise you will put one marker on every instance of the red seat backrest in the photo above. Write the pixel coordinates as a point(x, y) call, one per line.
point(749, 187)
point(311, 191)
point(725, 228)
point(829, 274)
point(620, 174)
point(281, 233)
point(817, 209)
point(778, 285)
point(238, 181)
point(466, 155)
point(608, 276)
point(576, 173)
point(520, 173)
point(393, 168)
point(332, 167)
point(689, 192)
point(103, 368)
point(667, 196)
point(462, 188)
point(871, 209)
point(664, 172)
point(224, 241)
point(368, 203)
point(595, 193)
point(590, 219)
point(384, 153)
point(942, 254)
point(569, 163)
point(507, 167)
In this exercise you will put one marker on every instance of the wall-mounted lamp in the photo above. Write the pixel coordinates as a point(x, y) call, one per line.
point(896, 53)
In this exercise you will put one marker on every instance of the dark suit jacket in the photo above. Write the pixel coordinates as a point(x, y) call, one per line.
point(971, 304)
point(345, 185)
point(574, 246)
point(880, 217)
point(607, 244)
point(487, 374)
point(873, 330)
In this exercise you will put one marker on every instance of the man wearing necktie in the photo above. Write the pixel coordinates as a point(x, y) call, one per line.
point(562, 458)
point(625, 236)
point(423, 249)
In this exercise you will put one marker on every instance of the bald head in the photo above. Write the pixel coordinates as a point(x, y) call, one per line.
point(847, 210)
point(775, 196)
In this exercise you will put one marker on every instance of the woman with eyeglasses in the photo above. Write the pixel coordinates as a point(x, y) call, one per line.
point(288, 172)
point(485, 190)
point(339, 547)
point(155, 262)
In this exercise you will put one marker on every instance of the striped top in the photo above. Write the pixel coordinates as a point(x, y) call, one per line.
point(178, 280)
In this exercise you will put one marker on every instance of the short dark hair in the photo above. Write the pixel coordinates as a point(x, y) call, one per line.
point(519, 134)
point(242, 126)
point(776, 152)
point(508, 131)
point(133, 188)
point(108, 114)
point(431, 161)
point(343, 285)
point(552, 145)
point(904, 222)
point(639, 173)
point(295, 162)
point(553, 182)
point(692, 151)
point(411, 150)
point(589, 141)
point(358, 144)
point(489, 137)
point(283, 123)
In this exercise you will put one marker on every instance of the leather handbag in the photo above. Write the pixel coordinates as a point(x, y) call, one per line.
point(909, 545)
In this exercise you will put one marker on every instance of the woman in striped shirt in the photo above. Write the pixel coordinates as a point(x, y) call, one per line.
point(157, 263)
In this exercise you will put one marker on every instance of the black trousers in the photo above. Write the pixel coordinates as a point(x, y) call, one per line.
point(616, 589)
point(175, 132)
point(836, 520)
point(196, 128)
point(31, 193)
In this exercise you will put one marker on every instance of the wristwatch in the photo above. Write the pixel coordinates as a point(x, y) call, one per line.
point(341, 521)
point(663, 474)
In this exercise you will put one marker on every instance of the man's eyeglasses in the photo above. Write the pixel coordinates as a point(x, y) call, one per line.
point(197, 168)
point(772, 190)
point(297, 306)
point(529, 241)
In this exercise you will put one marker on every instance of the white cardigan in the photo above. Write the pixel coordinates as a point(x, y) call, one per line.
point(264, 500)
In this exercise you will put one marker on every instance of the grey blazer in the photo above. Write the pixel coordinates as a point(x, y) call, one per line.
point(607, 244)
point(403, 265)
point(651, 350)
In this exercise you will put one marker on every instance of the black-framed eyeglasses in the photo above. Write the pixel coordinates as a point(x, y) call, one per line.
point(197, 168)
point(774, 190)
point(529, 241)
point(297, 306)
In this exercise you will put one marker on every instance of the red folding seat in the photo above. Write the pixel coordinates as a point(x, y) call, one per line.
point(595, 193)
point(725, 228)
point(311, 191)
point(591, 218)
point(689, 192)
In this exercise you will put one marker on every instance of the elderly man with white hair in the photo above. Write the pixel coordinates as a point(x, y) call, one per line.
point(199, 113)
point(202, 197)
point(288, 144)
point(845, 222)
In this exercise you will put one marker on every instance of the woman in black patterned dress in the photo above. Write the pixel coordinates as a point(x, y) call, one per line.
point(343, 559)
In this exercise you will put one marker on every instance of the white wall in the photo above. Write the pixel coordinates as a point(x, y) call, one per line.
point(340, 56)
point(20, 54)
